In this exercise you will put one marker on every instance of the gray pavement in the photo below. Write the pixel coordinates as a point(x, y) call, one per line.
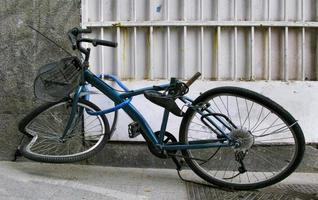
point(30, 180)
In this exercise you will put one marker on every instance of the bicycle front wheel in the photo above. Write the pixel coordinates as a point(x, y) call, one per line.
point(271, 143)
point(46, 124)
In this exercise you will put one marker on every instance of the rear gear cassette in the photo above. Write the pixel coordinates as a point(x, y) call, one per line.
point(244, 138)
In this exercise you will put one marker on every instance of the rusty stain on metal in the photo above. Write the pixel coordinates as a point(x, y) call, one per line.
point(117, 24)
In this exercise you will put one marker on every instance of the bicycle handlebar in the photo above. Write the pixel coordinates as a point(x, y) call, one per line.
point(193, 78)
point(104, 43)
point(96, 42)
point(73, 36)
point(87, 30)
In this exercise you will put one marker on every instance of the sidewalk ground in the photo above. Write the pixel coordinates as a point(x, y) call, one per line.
point(30, 180)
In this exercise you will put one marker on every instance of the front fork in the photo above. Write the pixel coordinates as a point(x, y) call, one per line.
point(74, 113)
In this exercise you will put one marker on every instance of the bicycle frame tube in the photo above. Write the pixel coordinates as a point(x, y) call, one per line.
point(129, 108)
point(73, 112)
point(135, 115)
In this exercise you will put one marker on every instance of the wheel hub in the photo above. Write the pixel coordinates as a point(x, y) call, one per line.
point(244, 138)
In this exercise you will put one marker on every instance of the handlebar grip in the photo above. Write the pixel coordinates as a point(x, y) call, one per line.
point(193, 78)
point(87, 30)
point(104, 43)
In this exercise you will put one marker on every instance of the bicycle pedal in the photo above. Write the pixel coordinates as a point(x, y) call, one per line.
point(134, 130)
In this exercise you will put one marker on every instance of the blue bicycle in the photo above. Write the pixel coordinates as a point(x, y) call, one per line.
point(229, 136)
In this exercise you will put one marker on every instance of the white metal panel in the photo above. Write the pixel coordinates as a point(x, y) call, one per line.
point(223, 39)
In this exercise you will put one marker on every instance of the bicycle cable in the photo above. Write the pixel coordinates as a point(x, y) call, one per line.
point(200, 183)
point(55, 43)
point(203, 184)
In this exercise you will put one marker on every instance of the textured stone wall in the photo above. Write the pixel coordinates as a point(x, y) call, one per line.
point(22, 52)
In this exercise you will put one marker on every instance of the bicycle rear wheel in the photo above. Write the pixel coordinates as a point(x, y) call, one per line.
point(87, 135)
point(271, 141)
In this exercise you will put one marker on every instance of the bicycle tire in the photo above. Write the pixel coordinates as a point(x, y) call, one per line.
point(220, 161)
point(51, 134)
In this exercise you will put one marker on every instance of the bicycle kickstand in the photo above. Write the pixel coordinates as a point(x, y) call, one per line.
point(177, 163)
point(17, 152)
point(16, 155)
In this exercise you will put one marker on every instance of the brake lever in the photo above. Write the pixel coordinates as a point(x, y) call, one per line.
point(72, 34)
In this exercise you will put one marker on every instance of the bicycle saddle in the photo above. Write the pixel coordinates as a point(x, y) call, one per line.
point(166, 101)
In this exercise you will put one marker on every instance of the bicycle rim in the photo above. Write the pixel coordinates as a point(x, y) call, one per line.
point(86, 136)
point(270, 141)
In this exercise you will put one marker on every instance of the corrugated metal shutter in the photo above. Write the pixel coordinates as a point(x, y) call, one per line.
point(225, 40)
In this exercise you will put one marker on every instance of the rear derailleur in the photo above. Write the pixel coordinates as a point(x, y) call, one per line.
point(239, 157)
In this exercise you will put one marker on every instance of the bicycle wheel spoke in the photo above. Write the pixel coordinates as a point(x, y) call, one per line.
point(227, 167)
point(203, 126)
point(248, 114)
point(200, 131)
point(276, 139)
point(279, 130)
point(93, 127)
point(91, 133)
point(43, 134)
point(49, 124)
point(219, 167)
point(41, 127)
point(248, 178)
point(272, 153)
point(217, 106)
point(259, 117)
point(261, 121)
point(56, 119)
point(89, 123)
point(265, 158)
point(198, 124)
point(226, 107)
point(47, 149)
point(275, 133)
point(194, 138)
point(270, 126)
point(267, 128)
point(39, 145)
point(239, 113)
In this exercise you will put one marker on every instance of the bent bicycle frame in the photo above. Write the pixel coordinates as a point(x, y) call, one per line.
point(124, 98)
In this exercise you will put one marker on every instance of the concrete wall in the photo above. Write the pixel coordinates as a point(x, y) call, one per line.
point(23, 52)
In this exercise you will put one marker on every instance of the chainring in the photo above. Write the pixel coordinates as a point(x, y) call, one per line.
point(168, 138)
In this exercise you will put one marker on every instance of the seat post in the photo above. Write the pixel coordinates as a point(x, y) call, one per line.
point(173, 82)
point(164, 125)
